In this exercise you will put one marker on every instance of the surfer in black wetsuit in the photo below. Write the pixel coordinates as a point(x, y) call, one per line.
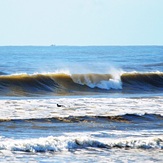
point(59, 105)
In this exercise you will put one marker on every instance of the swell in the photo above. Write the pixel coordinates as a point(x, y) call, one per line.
point(154, 65)
point(3, 73)
point(126, 118)
point(63, 84)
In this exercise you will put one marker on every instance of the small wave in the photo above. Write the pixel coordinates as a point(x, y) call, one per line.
point(3, 73)
point(62, 143)
point(76, 119)
point(154, 64)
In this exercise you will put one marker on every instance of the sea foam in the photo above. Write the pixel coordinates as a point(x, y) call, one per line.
point(109, 80)
point(63, 143)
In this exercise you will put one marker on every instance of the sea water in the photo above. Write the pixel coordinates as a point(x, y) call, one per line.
point(81, 104)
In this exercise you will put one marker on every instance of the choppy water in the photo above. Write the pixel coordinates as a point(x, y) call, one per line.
point(81, 104)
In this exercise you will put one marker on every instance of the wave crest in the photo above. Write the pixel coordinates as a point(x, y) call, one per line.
point(67, 84)
point(63, 143)
point(103, 81)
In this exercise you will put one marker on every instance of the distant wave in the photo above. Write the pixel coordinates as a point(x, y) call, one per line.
point(67, 84)
point(3, 73)
point(65, 143)
point(154, 64)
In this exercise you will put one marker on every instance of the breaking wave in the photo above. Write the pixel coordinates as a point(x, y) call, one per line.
point(65, 143)
point(65, 83)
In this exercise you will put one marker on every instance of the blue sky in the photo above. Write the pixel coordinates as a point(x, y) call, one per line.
point(81, 22)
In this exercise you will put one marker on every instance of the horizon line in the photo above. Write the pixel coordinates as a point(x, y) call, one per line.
point(55, 45)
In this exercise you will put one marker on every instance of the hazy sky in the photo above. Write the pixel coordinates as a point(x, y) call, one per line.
point(81, 22)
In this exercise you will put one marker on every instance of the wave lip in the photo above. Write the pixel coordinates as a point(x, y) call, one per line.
point(102, 81)
point(62, 143)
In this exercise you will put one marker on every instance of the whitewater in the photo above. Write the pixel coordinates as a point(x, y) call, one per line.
point(81, 104)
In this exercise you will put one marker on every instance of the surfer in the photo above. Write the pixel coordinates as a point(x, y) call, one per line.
point(59, 105)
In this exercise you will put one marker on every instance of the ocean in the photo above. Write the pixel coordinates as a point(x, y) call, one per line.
point(81, 104)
